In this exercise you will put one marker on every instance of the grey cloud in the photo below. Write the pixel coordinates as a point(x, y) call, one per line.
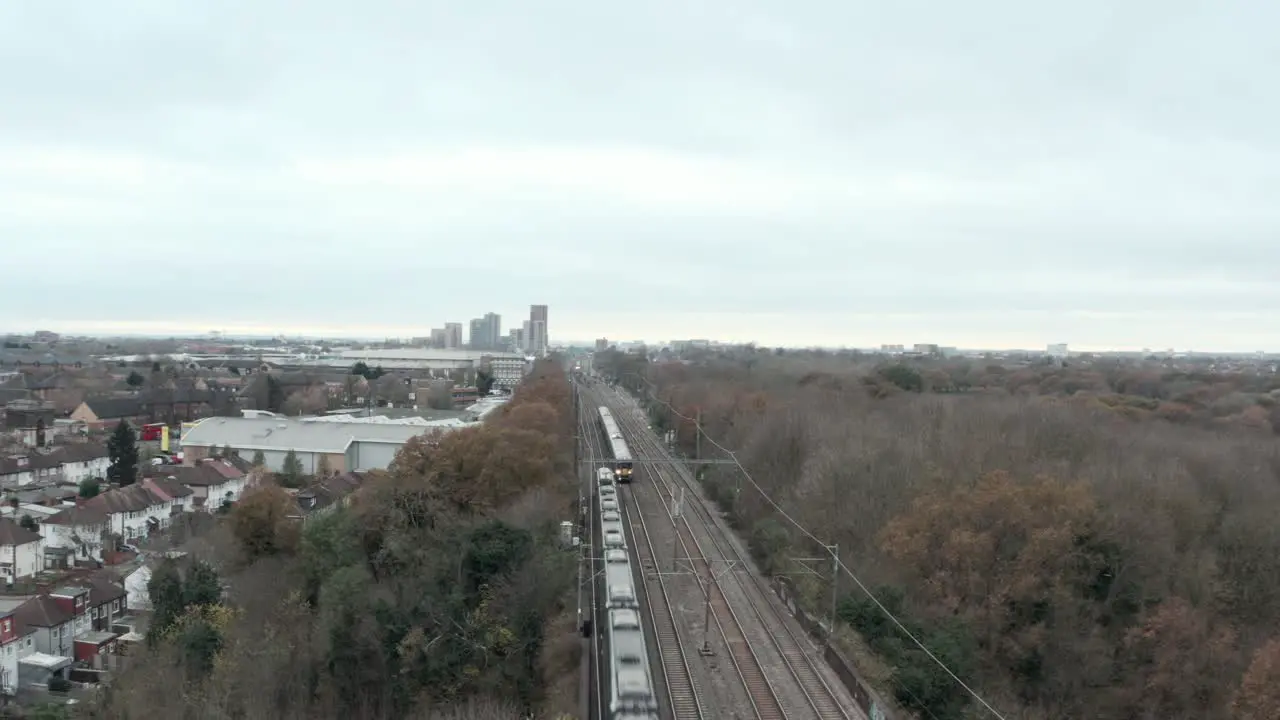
point(910, 158)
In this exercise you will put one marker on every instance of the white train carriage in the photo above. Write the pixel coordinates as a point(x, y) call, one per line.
point(613, 534)
point(604, 477)
point(621, 454)
point(631, 693)
point(620, 588)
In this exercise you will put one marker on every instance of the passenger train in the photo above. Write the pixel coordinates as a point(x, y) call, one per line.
point(631, 688)
point(621, 455)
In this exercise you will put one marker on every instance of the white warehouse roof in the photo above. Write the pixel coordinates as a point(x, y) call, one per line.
point(288, 434)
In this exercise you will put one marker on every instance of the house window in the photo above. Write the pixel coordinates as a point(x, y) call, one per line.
point(6, 625)
point(115, 605)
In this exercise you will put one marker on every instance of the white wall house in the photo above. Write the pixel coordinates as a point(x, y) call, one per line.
point(85, 463)
point(211, 482)
point(71, 462)
point(78, 529)
point(21, 551)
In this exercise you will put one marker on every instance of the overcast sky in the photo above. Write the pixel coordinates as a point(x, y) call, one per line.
point(981, 174)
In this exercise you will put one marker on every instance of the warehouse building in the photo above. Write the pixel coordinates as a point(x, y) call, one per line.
point(341, 446)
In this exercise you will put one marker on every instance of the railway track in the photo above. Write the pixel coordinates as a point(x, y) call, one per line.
point(820, 701)
point(682, 692)
point(683, 695)
point(601, 688)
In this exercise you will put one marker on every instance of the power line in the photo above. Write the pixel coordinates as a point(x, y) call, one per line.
point(889, 614)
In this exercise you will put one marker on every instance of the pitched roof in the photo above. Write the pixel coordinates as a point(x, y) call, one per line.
point(131, 498)
point(79, 515)
point(167, 488)
point(11, 533)
point(41, 611)
point(208, 473)
point(103, 590)
point(82, 452)
point(114, 408)
point(35, 460)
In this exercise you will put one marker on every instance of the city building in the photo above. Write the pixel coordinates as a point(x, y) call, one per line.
point(1057, 350)
point(538, 330)
point(452, 336)
point(437, 338)
point(602, 344)
point(486, 332)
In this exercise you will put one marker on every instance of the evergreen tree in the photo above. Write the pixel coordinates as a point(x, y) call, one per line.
point(202, 586)
point(167, 599)
point(89, 488)
point(122, 448)
point(259, 460)
point(291, 471)
point(29, 523)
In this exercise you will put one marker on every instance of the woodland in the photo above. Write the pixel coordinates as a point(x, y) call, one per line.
point(1094, 539)
point(429, 595)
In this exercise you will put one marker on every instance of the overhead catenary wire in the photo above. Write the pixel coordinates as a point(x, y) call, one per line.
point(840, 563)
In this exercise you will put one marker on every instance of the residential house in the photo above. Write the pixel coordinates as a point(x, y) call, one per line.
point(82, 461)
point(324, 495)
point(78, 530)
point(71, 463)
point(213, 481)
point(29, 467)
point(108, 602)
point(52, 622)
point(21, 551)
point(171, 404)
point(16, 641)
point(180, 497)
point(75, 600)
point(103, 412)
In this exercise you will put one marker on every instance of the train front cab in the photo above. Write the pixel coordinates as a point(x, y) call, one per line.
point(623, 472)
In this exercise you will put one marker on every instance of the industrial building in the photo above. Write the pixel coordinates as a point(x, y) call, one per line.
point(341, 446)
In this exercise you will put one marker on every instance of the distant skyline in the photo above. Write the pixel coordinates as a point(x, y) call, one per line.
point(896, 331)
point(998, 174)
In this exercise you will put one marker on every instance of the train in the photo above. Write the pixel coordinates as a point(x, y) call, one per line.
point(631, 689)
point(620, 453)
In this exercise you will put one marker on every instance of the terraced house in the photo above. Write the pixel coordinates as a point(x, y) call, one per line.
point(130, 512)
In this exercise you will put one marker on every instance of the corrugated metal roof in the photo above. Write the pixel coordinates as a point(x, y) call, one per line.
point(289, 434)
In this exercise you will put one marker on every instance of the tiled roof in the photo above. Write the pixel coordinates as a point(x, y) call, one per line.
point(11, 533)
point(114, 408)
point(166, 488)
point(41, 611)
point(102, 590)
point(203, 475)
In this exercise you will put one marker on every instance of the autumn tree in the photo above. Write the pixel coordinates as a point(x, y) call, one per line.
point(262, 522)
